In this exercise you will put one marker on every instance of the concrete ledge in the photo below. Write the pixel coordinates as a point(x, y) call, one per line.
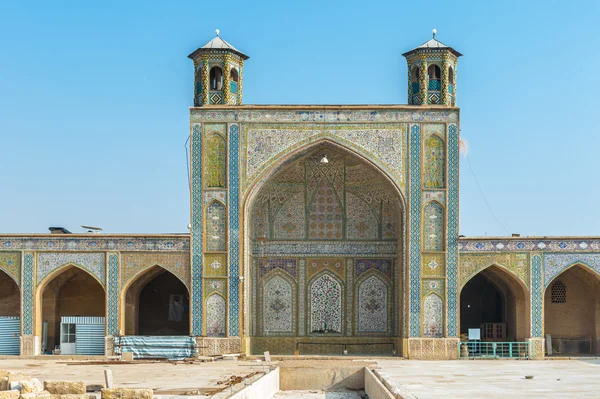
point(398, 391)
point(265, 387)
point(375, 388)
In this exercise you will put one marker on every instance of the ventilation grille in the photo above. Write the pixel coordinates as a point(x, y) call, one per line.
point(559, 292)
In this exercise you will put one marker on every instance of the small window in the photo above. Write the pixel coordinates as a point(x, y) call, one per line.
point(450, 75)
point(415, 75)
point(234, 75)
point(559, 292)
point(216, 78)
point(434, 72)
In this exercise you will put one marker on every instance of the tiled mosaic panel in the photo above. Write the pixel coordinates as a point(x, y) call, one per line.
point(554, 264)
point(537, 296)
point(96, 244)
point(10, 263)
point(433, 316)
point(266, 265)
point(471, 264)
point(325, 305)
point(325, 214)
point(215, 156)
point(364, 265)
point(134, 263)
point(215, 227)
point(361, 221)
point(113, 294)
point(216, 316)
point(372, 306)
point(452, 228)
point(93, 262)
point(264, 144)
point(415, 229)
point(234, 229)
point(389, 220)
point(277, 306)
point(215, 285)
point(215, 265)
point(196, 231)
point(429, 285)
point(434, 162)
point(27, 292)
point(300, 248)
point(211, 195)
point(434, 265)
point(433, 227)
point(290, 221)
point(335, 265)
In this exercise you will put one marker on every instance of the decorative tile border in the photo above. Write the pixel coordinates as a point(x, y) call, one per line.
point(415, 229)
point(93, 262)
point(299, 114)
point(10, 263)
point(94, 243)
point(324, 248)
point(554, 264)
point(537, 294)
point(452, 234)
point(555, 244)
point(113, 294)
point(27, 292)
point(196, 232)
point(234, 231)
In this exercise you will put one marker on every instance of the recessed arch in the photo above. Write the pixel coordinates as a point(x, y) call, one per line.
point(216, 78)
point(373, 292)
point(155, 301)
point(433, 226)
point(433, 316)
point(10, 295)
point(572, 311)
point(496, 301)
point(278, 297)
point(233, 75)
point(216, 315)
point(70, 290)
point(577, 263)
point(326, 303)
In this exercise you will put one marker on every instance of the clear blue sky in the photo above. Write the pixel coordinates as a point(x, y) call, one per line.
point(94, 100)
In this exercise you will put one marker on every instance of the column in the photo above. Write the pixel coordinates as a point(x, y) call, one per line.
point(452, 231)
point(27, 301)
point(196, 232)
point(424, 78)
point(205, 79)
point(445, 94)
point(415, 230)
point(234, 232)
point(226, 79)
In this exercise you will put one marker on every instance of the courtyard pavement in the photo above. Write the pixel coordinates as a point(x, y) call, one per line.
point(495, 378)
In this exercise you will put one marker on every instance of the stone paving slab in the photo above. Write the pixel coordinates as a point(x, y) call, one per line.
point(495, 378)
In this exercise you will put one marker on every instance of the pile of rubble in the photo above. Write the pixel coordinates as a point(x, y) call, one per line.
point(14, 385)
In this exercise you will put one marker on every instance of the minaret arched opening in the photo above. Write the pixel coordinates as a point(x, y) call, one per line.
point(216, 78)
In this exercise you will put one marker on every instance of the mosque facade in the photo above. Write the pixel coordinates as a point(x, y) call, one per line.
point(314, 229)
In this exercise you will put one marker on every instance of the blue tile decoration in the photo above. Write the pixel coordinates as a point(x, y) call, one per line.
point(93, 262)
point(104, 243)
point(27, 292)
point(435, 85)
point(234, 231)
point(556, 244)
point(415, 229)
point(556, 263)
point(196, 231)
point(536, 296)
point(113, 294)
point(452, 235)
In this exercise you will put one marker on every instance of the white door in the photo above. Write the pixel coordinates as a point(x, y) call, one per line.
point(67, 339)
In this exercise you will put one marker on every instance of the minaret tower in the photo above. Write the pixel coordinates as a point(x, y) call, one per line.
point(218, 73)
point(432, 74)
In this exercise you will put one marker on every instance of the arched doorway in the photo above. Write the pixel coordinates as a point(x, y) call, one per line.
point(572, 312)
point(495, 302)
point(324, 255)
point(10, 311)
point(157, 304)
point(73, 308)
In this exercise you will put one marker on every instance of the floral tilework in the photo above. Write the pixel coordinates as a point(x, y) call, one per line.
point(433, 316)
point(113, 294)
point(433, 227)
point(215, 163)
point(415, 229)
point(216, 265)
point(234, 230)
point(452, 234)
point(434, 265)
point(558, 244)
point(215, 227)
point(266, 265)
point(335, 265)
point(103, 243)
point(325, 214)
point(537, 294)
point(290, 220)
point(554, 264)
point(383, 265)
point(10, 263)
point(471, 264)
point(325, 305)
point(211, 195)
point(277, 306)
point(196, 231)
point(93, 262)
point(212, 285)
point(133, 263)
point(434, 162)
point(27, 292)
point(301, 297)
point(216, 316)
point(361, 221)
point(372, 306)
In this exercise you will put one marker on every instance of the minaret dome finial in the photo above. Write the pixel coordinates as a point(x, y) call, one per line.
point(433, 31)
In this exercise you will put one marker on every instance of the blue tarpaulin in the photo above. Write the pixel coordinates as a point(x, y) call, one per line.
point(161, 347)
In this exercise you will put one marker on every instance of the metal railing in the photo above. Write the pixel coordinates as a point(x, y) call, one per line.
point(494, 350)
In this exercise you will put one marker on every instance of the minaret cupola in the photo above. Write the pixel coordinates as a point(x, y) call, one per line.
point(432, 74)
point(218, 73)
